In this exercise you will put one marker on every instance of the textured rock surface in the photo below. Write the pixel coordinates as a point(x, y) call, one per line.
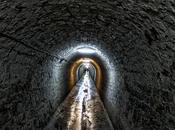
point(139, 34)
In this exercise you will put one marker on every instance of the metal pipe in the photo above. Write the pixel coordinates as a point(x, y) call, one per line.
point(82, 109)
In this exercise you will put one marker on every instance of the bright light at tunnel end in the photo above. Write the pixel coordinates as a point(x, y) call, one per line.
point(87, 65)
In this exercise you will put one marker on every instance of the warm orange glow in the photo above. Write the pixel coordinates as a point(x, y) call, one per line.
point(75, 65)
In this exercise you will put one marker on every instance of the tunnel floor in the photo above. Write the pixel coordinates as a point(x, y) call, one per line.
point(82, 109)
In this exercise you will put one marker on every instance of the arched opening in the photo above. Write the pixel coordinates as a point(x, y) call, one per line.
point(76, 64)
point(86, 66)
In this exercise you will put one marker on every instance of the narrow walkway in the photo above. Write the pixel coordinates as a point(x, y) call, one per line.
point(82, 109)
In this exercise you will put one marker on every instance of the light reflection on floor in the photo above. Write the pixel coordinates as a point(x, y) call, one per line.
point(82, 109)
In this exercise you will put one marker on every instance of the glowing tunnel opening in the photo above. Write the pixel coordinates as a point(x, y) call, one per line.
point(75, 66)
point(86, 66)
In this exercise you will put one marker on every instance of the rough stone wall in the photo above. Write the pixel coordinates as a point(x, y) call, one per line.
point(139, 33)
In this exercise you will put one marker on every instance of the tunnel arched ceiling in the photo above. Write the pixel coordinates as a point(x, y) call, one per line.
point(137, 36)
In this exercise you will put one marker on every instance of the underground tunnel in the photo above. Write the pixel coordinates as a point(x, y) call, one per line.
point(87, 65)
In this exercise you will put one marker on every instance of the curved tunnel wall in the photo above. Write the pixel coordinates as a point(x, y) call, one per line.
point(138, 35)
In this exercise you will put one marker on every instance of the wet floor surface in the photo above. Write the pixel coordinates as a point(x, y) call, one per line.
point(82, 109)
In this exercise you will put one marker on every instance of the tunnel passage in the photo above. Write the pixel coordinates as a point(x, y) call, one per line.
point(75, 71)
point(75, 56)
point(137, 35)
point(86, 66)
